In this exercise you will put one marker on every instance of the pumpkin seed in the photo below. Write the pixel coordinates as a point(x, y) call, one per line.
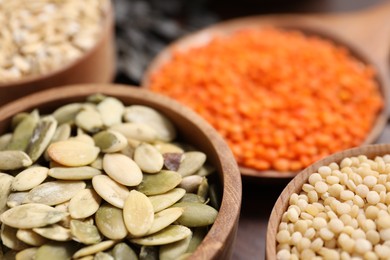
point(89, 120)
point(85, 233)
point(111, 191)
point(159, 183)
point(192, 161)
point(29, 237)
point(197, 238)
point(174, 250)
point(54, 192)
point(67, 113)
point(73, 153)
point(56, 250)
point(122, 251)
point(136, 131)
point(63, 132)
point(103, 256)
point(19, 117)
point(74, 173)
point(148, 253)
point(110, 141)
point(191, 183)
point(29, 178)
point(109, 220)
point(5, 139)
point(111, 110)
point(148, 158)
point(5, 190)
point(164, 218)
point(88, 257)
point(203, 189)
point(143, 114)
point(9, 239)
point(172, 161)
point(84, 204)
point(196, 214)
point(31, 215)
point(122, 169)
point(84, 138)
point(205, 170)
point(13, 160)
point(191, 197)
point(165, 200)
point(65, 221)
point(41, 137)
point(168, 235)
point(96, 98)
point(23, 132)
point(138, 213)
point(98, 163)
point(15, 199)
point(168, 148)
point(93, 249)
point(54, 232)
point(27, 254)
point(128, 150)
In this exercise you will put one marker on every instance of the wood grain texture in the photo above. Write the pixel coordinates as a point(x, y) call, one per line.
point(366, 33)
point(191, 128)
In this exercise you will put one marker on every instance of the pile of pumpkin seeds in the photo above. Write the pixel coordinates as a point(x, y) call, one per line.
point(40, 36)
point(101, 180)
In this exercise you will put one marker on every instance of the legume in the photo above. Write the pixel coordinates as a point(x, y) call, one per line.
point(274, 95)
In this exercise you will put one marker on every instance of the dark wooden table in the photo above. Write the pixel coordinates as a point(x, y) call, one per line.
point(259, 196)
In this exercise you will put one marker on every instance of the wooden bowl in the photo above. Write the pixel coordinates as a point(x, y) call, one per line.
point(365, 33)
point(191, 128)
point(97, 65)
point(295, 186)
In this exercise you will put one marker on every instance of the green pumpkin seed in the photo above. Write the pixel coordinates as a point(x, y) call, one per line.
point(9, 239)
point(54, 232)
point(197, 238)
point(203, 189)
point(29, 178)
point(122, 251)
point(138, 213)
point(174, 250)
point(5, 139)
point(165, 200)
point(41, 137)
point(111, 110)
point(73, 153)
point(15, 199)
point(54, 192)
point(67, 113)
point(136, 131)
point(111, 191)
point(164, 218)
point(29, 237)
point(19, 117)
point(56, 250)
point(122, 169)
point(168, 148)
point(85, 233)
point(74, 173)
point(205, 170)
point(148, 253)
point(159, 183)
point(84, 204)
point(148, 158)
point(168, 235)
point(13, 160)
point(89, 120)
point(103, 256)
point(27, 254)
point(143, 114)
point(191, 197)
point(196, 214)
point(109, 220)
point(191, 183)
point(5, 190)
point(191, 163)
point(110, 141)
point(63, 132)
point(93, 249)
point(31, 215)
point(96, 98)
point(23, 132)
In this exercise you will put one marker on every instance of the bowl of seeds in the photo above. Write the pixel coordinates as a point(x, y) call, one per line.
point(52, 43)
point(336, 208)
point(113, 172)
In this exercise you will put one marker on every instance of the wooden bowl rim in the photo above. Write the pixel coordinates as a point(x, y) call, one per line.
point(226, 222)
point(106, 28)
point(290, 22)
point(295, 186)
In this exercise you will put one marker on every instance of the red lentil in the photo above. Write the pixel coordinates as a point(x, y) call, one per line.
point(281, 99)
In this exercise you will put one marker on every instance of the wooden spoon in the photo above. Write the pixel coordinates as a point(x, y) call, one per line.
point(365, 33)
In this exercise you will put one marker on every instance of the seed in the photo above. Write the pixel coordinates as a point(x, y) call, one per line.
point(122, 169)
point(122, 251)
point(191, 197)
point(31, 215)
point(84, 232)
point(84, 204)
point(89, 120)
point(26, 254)
point(9, 239)
point(109, 220)
point(192, 161)
point(111, 110)
point(67, 113)
point(72, 153)
point(54, 192)
point(5, 189)
point(55, 250)
point(159, 183)
point(30, 237)
point(138, 213)
point(165, 200)
point(168, 148)
point(196, 214)
point(13, 160)
point(148, 158)
point(174, 250)
point(23, 132)
point(93, 249)
point(16, 198)
point(111, 191)
point(164, 218)
point(74, 173)
point(29, 178)
point(5, 139)
point(197, 237)
point(191, 183)
point(168, 235)
point(54, 232)
point(203, 189)
point(110, 141)
point(103, 256)
point(136, 131)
